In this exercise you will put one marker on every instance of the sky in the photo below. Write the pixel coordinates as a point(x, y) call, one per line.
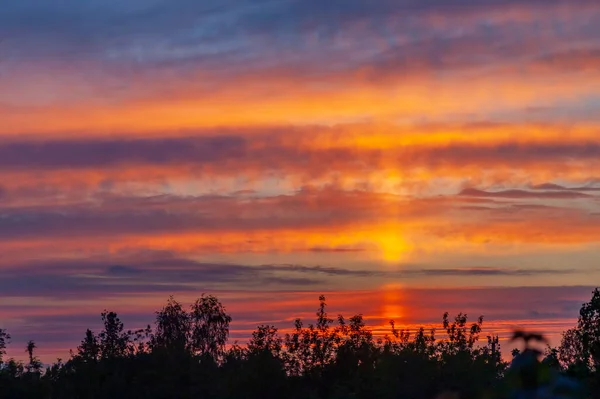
point(404, 158)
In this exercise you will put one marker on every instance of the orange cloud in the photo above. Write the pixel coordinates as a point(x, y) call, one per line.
point(280, 98)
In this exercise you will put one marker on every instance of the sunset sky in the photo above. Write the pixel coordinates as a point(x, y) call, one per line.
point(403, 157)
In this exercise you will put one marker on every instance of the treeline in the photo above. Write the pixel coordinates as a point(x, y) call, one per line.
point(186, 355)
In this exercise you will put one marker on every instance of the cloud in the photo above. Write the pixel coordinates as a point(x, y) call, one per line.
point(90, 153)
point(335, 249)
point(110, 51)
point(268, 152)
point(143, 215)
point(526, 226)
point(119, 270)
point(308, 220)
point(483, 271)
point(557, 187)
point(522, 194)
point(100, 67)
point(165, 273)
point(572, 60)
point(75, 27)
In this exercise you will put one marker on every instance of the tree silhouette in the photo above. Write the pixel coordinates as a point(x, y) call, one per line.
point(209, 326)
point(89, 349)
point(186, 356)
point(265, 340)
point(4, 340)
point(311, 348)
point(579, 350)
point(114, 341)
point(34, 364)
point(580, 346)
point(172, 332)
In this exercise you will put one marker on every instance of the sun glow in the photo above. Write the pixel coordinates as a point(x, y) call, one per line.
point(392, 299)
point(392, 244)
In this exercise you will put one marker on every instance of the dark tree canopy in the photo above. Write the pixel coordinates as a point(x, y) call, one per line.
point(186, 355)
point(209, 326)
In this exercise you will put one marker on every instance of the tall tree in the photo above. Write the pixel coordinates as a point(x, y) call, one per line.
point(89, 349)
point(209, 326)
point(114, 341)
point(34, 364)
point(313, 347)
point(172, 333)
point(580, 346)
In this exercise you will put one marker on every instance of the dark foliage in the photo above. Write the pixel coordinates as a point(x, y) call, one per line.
point(185, 355)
